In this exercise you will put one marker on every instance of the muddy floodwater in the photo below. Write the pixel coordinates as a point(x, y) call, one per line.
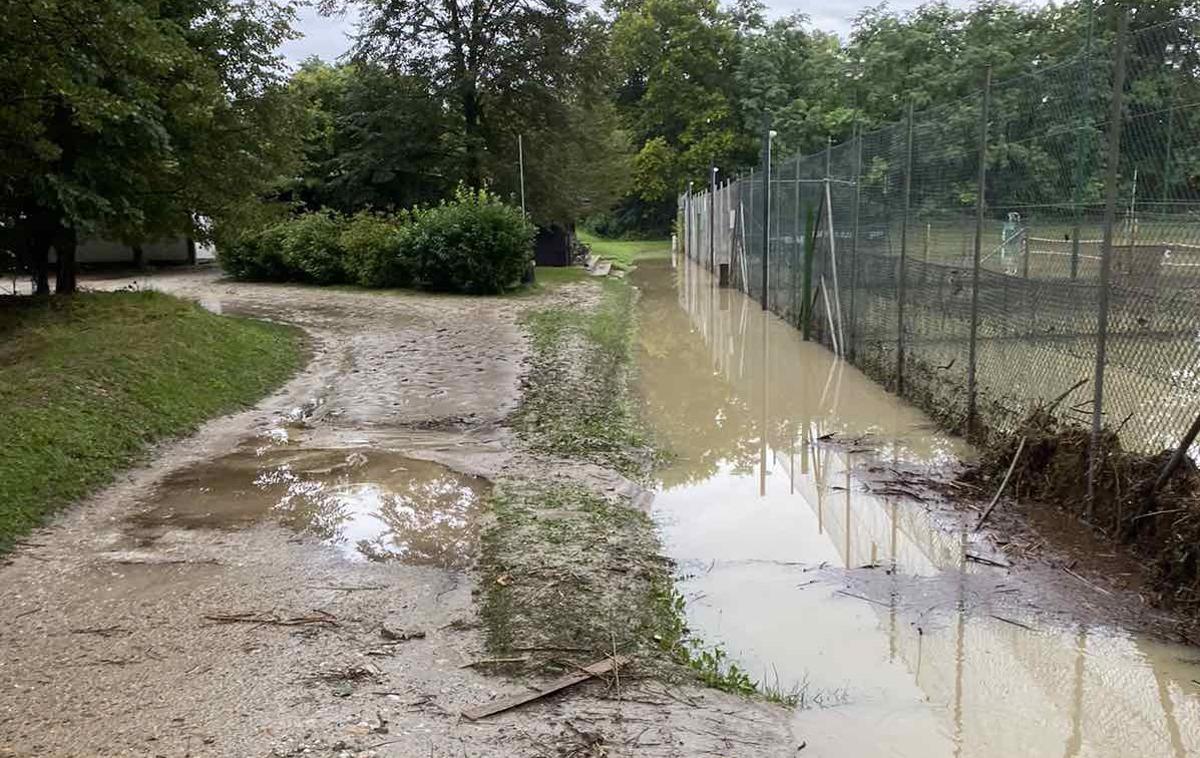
point(819, 572)
point(366, 504)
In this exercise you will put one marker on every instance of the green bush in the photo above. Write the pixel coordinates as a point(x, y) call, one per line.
point(474, 244)
point(376, 251)
point(256, 256)
point(312, 248)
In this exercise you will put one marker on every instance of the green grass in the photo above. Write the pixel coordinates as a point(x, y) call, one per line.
point(569, 574)
point(567, 571)
point(625, 253)
point(87, 382)
point(552, 276)
point(577, 400)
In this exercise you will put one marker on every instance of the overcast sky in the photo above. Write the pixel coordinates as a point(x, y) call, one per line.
point(327, 37)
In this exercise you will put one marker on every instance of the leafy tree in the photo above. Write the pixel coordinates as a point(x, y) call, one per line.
point(797, 78)
point(374, 139)
point(676, 92)
point(498, 70)
point(471, 52)
point(136, 118)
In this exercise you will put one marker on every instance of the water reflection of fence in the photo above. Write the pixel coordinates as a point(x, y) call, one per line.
point(1088, 691)
point(983, 305)
point(797, 394)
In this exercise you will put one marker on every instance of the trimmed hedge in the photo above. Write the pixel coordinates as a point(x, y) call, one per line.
point(473, 244)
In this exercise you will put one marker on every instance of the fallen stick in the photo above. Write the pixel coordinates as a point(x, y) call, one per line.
point(513, 701)
point(1063, 396)
point(985, 561)
point(1003, 484)
point(1014, 623)
point(318, 617)
point(1151, 514)
point(1176, 457)
point(1096, 587)
point(861, 597)
point(495, 662)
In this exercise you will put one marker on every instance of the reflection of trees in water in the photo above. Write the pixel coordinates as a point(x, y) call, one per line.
point(701, 418)
point(422, 514)
point(428, 521)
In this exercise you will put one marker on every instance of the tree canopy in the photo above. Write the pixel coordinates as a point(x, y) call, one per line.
point(140, 118)
point(136, 118)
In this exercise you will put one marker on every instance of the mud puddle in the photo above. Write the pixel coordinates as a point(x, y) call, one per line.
point(368, 505)
point(893, 630)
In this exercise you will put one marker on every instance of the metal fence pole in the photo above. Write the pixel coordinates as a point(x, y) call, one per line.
point(858, 154)
point(903, 275)
point(1081, 147)
point(1110, 209)
point(767, 135)
point(980, 207)
point(797, 250)
point(712, 212)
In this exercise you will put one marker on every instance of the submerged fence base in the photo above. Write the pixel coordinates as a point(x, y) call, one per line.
point(965, 258)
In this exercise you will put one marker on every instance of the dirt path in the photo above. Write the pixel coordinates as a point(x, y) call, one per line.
point(119, 632)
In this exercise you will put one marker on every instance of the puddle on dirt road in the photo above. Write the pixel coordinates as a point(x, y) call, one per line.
point(928, 653)
point(369, 505)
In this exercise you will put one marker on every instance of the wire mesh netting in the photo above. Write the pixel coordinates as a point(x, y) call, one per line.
point(870, 246)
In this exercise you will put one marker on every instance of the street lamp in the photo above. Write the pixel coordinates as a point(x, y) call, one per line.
point(771, 134)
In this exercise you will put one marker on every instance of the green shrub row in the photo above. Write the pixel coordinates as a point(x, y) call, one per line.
point(474, 244)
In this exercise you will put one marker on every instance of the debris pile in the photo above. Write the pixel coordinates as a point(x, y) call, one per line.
point(1049, 458)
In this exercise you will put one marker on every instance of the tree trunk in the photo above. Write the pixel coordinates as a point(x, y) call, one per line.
point(470, 104)
point(65, 243)
point(39, 260)
point(139, 256)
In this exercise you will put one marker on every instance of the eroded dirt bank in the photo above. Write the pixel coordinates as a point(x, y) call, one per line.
point(227, 600)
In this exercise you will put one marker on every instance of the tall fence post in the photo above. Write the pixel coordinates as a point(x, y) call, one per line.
point(810, 245)
point(712, 219)
point(797, 252)
point(980, 210)
point(858, 155)
point(1110, 208)
point(1081, 147)
point(766, 261)
point(903, 274)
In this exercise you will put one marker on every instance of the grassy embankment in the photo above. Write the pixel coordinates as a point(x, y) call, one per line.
point(570, 573)
point(625, 253)
point(87, 382)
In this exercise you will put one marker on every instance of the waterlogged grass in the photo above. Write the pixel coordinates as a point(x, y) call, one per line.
point(577, 400)
point(625, 253)
point(87, 382)
point(569, 574)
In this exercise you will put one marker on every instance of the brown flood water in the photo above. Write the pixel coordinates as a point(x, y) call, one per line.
point(367, 504)
point(927, 653)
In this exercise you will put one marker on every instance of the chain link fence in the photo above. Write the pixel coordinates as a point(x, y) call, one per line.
point(979, 257)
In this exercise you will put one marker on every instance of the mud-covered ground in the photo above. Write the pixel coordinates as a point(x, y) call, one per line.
point(227, 599)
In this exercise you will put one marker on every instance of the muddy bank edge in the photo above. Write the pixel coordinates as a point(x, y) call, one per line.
point(90, 382)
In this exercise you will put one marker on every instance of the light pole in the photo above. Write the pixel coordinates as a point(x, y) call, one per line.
point(521, 164)
point(771, 134)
